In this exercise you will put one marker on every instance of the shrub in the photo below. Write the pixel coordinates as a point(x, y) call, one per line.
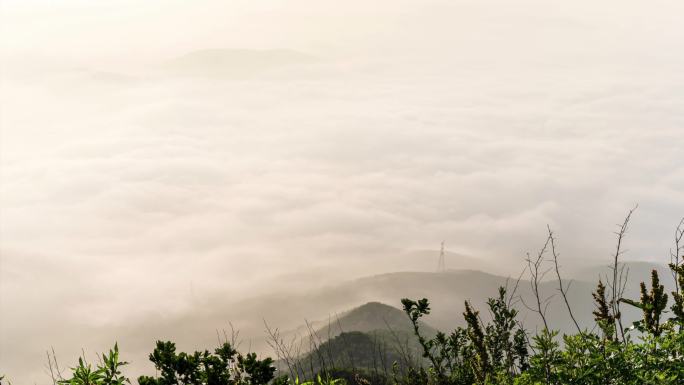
point(649, 352)
point(107, 372)
point(223, 367)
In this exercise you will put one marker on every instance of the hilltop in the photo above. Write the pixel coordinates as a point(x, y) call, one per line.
point(369, 317)
point(369, 338)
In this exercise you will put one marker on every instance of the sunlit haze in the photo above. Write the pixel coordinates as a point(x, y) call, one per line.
point(157, 155)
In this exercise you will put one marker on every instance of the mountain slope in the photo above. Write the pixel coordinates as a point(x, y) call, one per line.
point(286, 310)
point(369, 317)
point(369, 338)
point(364, 352)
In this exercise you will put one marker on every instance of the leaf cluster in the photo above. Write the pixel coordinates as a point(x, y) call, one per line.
point(477, 354)
point(106, 372)
point(225, 366)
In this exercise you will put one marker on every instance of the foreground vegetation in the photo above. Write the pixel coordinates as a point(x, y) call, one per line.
point(649, 350)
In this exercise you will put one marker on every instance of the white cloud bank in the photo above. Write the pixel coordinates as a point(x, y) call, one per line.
point(472, 122)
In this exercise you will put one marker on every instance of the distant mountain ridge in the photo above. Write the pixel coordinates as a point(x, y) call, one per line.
point(376, 334)
point(446, 291)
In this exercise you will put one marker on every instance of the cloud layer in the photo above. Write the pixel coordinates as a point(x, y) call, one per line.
point(129, 192)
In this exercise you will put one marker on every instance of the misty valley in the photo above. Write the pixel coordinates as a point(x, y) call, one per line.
point(538, 327)
point(357, 192)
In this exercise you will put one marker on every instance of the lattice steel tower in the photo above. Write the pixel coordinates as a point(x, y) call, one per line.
point(441, 265)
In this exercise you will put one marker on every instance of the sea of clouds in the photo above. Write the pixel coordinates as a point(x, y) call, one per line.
point(129, 192)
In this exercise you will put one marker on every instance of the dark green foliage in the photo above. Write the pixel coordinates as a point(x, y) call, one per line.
point(415, 310)
point(318, 380)
point(498, 352)
point(604, 319)
point(223, 367)
point(543, 364)
point(449, 357)
point(677, 295)
point(478, 354)
point(369, 354)
point(652, 305)
point(520, 349)
point(382, 340)
point(501, 334)
point(480, 363)
point(358, 377)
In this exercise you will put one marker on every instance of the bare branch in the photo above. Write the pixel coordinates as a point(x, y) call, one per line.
point(282, 350)
point(53, 367)
point(678, 253)
point(619, 279)
point(536, 276)
point(562, 290)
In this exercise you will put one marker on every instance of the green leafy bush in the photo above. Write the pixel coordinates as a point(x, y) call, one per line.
point(650, 352)
point(226, 366)
point(107, 372)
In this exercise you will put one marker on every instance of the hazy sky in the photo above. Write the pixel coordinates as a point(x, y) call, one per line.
point(127, 183)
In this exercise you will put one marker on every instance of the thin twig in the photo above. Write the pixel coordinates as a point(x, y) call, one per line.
point(619, 280)
point(562, 290)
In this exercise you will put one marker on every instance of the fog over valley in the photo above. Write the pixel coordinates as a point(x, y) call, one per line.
point(168, 168)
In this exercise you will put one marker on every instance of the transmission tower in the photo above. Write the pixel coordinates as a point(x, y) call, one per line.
point(441, 265)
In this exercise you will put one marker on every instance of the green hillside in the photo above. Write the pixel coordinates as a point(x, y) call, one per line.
point(370, 339)
point(370, 317)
